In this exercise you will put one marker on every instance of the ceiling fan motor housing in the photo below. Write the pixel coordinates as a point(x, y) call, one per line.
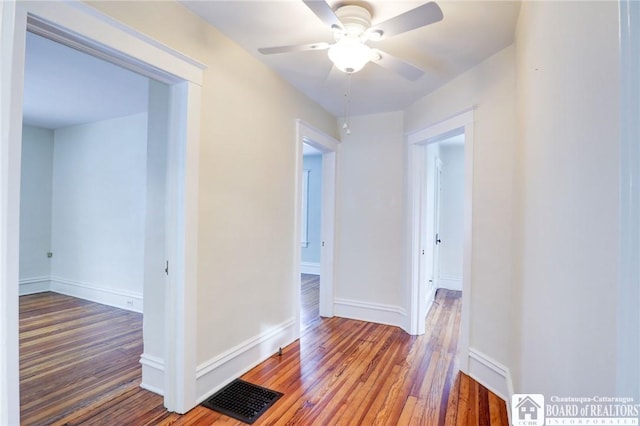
point(355, 19)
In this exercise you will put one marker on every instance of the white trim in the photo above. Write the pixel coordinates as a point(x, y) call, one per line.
point(12, 44)
point(102, 35)
point(371, 312)
point(34, 285)
point(492, 375)
point(152, 373)
point(312, 268)
point(450, 282)
point(417, 142)
point(443, 129)
point(122, 299)
point(308, 134)
point(628, 318)
point(182, 251)
point(328, 231)
point(215, 373)
point(93, 35)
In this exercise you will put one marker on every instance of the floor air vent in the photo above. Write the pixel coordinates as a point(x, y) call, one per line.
point(242, 400)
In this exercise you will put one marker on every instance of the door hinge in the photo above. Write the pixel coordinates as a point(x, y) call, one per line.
point(166, 269)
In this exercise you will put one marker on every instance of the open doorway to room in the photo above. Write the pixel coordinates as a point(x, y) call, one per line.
point(440, 197)
point(315, 219)
point(92, 229)
point(311, 236)
point(444, 215)
point(86, 30)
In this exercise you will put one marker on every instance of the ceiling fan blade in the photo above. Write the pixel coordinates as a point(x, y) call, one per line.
point(421, 16)
point(296, 48)
point(403, 68)
point(323, 11)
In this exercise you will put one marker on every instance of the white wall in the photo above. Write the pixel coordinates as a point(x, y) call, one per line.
point(568, 100)
point(311, 254)
point(35, 209)
point(451, 217)
point(246, 193)
point(628, 333)
point(369, 219)
point(98, 210)
point(489, 87)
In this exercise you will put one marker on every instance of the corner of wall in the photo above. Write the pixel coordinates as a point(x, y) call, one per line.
point(216, 372)
point(491, 374)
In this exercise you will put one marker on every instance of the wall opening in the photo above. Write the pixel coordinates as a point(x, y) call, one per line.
point(81, 27)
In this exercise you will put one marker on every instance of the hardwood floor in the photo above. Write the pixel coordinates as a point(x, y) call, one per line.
point(74, 354)
point(340, 372)
point(309, 300)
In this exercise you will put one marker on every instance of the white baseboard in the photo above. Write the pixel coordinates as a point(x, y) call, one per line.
point(117, 298)
point(371, 312)
point(152, 373)
point(492, 375)
point(215, 373)
point(450, 282)
point(34, 285)
point(310, 268)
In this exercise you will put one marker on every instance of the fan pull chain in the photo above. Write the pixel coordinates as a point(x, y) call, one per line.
point(347, 105)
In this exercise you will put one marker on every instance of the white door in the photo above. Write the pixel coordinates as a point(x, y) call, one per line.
point(437, 172)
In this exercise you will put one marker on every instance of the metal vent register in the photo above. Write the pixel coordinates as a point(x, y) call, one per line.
point(242, 400)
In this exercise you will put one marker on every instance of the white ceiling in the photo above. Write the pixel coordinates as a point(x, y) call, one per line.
point(64, 87)
point(470, 32)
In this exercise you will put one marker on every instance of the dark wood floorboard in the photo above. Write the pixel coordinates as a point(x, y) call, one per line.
point(80, 366)
point(75, 355)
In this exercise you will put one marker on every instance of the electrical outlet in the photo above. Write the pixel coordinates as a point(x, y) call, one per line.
point(130, 302)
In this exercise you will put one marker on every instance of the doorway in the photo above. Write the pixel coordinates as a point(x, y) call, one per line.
point(421, 295)
point(311, 231)
point(83, 176)
point(324, 148)
point(92, 211)
point(444, 215)
point(83, 28)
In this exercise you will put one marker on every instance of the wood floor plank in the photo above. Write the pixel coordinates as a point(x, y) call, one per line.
point(453, 401)
point(80, 366)
point(464, 408)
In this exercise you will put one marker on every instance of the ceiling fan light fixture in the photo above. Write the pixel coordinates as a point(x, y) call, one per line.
point(375, 35)
point(350, 55)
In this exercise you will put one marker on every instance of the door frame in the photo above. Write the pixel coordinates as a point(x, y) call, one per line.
point(307, 134)
point(628, 320)
point(84, 28)
point(416, 149)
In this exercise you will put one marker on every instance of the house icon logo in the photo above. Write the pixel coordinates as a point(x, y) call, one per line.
point(527, 410)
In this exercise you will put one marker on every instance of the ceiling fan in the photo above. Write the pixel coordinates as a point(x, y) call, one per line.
point(352, 30)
